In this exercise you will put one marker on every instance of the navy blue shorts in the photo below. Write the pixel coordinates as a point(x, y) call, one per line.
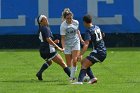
point(96, 57)
point(46, 55)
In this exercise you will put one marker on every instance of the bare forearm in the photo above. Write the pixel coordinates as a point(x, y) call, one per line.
point(80, 37)
point(84, 49)
point(63, 42)
point(50, 41)
point(56, 41)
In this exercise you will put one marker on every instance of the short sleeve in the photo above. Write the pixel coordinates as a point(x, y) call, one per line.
point(77, 25)
point(62, 29)
point(87, 36)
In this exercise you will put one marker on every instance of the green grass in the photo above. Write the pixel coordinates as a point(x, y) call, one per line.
point(119, 73)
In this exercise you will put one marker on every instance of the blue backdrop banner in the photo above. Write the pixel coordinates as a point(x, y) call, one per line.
point(113, 16)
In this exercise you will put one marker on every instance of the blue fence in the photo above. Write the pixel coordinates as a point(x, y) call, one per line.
point(113, 16)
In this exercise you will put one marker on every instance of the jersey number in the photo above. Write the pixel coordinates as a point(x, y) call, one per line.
point(40, 37)
point(98, 35)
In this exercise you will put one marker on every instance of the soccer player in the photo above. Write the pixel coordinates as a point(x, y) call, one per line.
point(94, 35)
point(47, 47)
point(70, 40)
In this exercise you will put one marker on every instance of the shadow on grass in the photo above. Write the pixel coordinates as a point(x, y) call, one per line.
point(50, 82)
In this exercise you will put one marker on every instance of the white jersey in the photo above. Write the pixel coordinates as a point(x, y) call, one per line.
point(70, 32)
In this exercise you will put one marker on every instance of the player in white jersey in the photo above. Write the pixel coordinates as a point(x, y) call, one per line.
point(70, 40)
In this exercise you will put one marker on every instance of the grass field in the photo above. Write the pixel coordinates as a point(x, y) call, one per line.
point(119, 73)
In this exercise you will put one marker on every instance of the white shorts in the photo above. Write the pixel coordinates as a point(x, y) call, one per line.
point(69, 49)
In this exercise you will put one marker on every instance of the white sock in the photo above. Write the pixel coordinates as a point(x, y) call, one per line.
point(76, 68)
point(73, 70)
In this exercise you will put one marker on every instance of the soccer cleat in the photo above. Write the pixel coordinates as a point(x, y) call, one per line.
point(92, 81)
point(77, 83)
point(39, 76)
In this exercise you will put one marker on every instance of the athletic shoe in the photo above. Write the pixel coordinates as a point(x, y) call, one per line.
point(92, 81)
point(77, 83)
point(39, 76)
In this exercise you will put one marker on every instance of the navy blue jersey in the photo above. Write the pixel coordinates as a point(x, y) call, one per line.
point(94, 35)
point(44, 33)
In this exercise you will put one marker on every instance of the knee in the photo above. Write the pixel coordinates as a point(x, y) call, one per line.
point(49, 63)
point(68, 61)
point(83, 66)
point(62, 64)
point(75, 59)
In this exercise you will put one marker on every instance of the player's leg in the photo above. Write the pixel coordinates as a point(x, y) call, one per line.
point(90, 73)
point(42, 69)
point(68, 56)
point(93, 79)
point(85, 64)
point(68, 60)
point(58, 59)
point(75, 54)
point(45, 55)
point(94, 58)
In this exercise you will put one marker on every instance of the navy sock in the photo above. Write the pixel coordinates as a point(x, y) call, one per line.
point(89, 73)
point(82, 74)
point(67, 71)
point(44, 67)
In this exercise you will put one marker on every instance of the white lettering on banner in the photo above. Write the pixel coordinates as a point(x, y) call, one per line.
point(136, 9)
point(44, 9)
point(12, 22)
point(93, 10)
point(92, 6)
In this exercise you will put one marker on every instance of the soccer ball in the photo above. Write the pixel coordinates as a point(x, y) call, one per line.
point(86, 79)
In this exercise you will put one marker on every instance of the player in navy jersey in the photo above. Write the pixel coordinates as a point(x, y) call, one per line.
point(47, 47)
point(94, 35)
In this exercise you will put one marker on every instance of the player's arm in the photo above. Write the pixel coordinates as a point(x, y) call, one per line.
point(85, 46)
point(62, 33)
point(80, 37)
point(56, 41)
point(63, 41)
point(50, 41)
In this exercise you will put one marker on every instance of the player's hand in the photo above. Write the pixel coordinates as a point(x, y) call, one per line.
point(62, 50)
point(83, 42)
point(56, 41)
